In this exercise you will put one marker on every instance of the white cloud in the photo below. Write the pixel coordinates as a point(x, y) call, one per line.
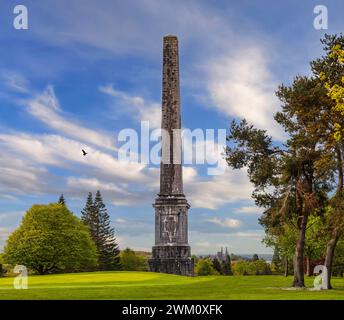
point(222, 189)
point(136, 106)
point(226, 223)
point(248, 210)
point(19, 176)
point(118, 195)
point(15, 81)
point(252, 234)
point(241, 85)
point(59, 151)
point(209, 245)
point(247, 242)
point(46, 108)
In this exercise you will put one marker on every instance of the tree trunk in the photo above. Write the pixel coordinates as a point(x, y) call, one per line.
point(308, 266)
point(340, 171)
point(331, 246)
point(299, 280)
point(286, 267)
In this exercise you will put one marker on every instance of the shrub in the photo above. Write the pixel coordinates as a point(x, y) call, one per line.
point(204, 267)
point(257, 267)
point(130, 261)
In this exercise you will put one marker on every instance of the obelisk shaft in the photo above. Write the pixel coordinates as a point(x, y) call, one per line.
point(171, 181)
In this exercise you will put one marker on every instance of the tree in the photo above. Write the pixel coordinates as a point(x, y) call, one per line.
point(108, 248)
point(226, 266)
point(315, 242)
point(88, 215)
point(288, 181)
point(95, 215)
point(62, 200)
point(204, 267)
point(276, 261)
point(255, 257)
point(262, 268)
point(282, 238)
point(244, 268)
point(330, 69)
point(217, 265)
point(306, 176)
point(50, 238)
point(2, 271)
point(130, 261)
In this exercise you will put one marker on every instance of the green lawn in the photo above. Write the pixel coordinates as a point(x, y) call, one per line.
point(145, 285)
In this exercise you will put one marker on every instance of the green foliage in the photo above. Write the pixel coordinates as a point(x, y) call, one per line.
point(204, 267)
point(108, 250)
point(338, 265)
point(276, 262)
point(226, 266)
point(130, 261)
point(96, 217)
point(217, 265)
point(49, 239)
point(243, 268)
point(257, 267)
point(195, 258)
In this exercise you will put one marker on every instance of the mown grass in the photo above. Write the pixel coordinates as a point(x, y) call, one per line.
point(145, 285)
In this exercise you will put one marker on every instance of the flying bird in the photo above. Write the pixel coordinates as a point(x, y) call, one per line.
point(84, 152)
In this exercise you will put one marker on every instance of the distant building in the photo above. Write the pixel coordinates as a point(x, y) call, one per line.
point(222, 256)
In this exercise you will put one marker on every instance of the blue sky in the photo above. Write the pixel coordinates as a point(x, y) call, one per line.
point(85, 69)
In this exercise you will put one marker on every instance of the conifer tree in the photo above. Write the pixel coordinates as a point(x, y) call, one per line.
point(88, 214)
point(107, 245)
point(217, 265)
point(226, 266)
point(62, 200)
point(95, 215)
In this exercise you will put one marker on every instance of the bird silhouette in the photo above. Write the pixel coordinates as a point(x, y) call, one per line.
point(84, 152)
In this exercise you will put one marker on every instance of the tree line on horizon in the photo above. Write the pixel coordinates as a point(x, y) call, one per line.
point(299, 182)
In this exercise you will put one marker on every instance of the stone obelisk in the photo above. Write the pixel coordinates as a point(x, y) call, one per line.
point(171, 252)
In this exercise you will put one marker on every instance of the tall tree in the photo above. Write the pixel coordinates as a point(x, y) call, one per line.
point(95, 215)
point(89, 217)
point(108, 247)
point(288, 180)
point(330, 70)
point(308, 173)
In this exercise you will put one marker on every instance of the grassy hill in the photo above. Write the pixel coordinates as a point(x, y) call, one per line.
point(145, 285)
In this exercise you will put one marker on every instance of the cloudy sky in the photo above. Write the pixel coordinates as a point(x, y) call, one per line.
point(86, 69)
